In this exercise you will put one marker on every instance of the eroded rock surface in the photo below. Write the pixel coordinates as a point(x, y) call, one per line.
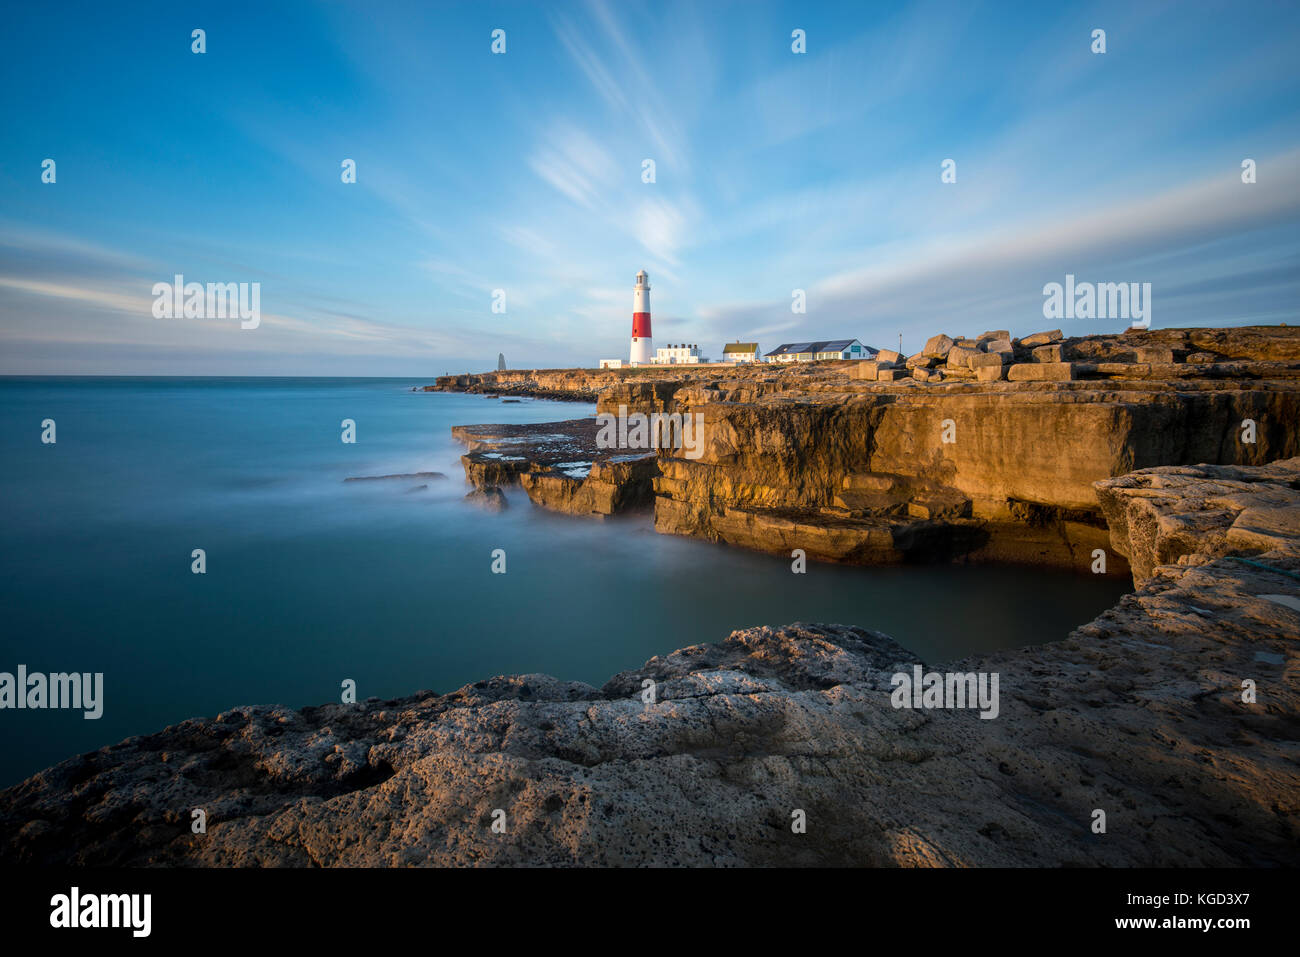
point(1194, 514)
point(560, 465)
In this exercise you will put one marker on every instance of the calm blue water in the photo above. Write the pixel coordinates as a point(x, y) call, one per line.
point(310, 580)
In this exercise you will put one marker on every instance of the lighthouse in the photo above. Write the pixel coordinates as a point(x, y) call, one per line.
point(641, 346)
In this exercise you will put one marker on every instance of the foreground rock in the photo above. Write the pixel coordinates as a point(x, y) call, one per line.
point(1139, 714)
point(1192, 515)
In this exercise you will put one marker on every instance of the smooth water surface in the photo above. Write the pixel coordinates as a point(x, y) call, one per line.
point(311, 580)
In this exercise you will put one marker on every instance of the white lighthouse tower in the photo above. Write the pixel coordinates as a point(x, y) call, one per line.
point(641, 338)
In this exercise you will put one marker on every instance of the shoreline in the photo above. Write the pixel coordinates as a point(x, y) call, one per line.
point(1137, 713)
point(924, 458)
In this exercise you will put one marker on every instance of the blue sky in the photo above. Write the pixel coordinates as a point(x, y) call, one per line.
point(775, 171)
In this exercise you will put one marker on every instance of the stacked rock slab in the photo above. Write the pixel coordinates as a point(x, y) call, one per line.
point(560, 465)
point(1024, 457)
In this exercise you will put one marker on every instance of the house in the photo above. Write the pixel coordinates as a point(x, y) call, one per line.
point(825, 349)
point(677, 355)
point(740, 352)
point(611, 363)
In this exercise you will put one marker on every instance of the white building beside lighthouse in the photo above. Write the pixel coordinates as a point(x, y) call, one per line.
point(677, 353)
point(642, 342)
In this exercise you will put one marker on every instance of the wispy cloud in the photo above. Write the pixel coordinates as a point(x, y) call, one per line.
point(523, 171)
point(956, 279)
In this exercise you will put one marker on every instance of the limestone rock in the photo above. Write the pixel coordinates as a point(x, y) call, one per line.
point(959, 357)
point(561, 465)
point(938, 346)
point(941, 505)
point(490, 498)
point(870, 369)
point(1195, 514)
point(1041, 372)
point(609, 487)
point(1041, 339)
point(1253, 343)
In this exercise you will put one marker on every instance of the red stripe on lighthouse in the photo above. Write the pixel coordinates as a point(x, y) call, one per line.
point(640, 325)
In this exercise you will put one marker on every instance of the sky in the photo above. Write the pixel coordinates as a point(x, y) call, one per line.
point(522, 171)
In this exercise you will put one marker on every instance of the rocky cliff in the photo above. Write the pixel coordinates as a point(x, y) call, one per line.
point(997, 471)
point(975, 449)
point(1174, 714)
point(560, 465)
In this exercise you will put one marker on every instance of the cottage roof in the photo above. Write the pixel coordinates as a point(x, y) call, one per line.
point(825, 345)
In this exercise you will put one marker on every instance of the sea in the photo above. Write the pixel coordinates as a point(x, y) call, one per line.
point(310, 581)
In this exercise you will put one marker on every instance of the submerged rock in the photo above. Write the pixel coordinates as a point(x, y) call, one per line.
point(396, 477)
point(490, 498)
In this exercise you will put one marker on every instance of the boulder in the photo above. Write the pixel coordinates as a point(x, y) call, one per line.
point(990, 360)
point(490, 498)
point(959, 357)
point(1042, 338)
point(888, 357)
point(1041, 371)
point(1050, 353)
point(991, 373)
point(871, 370)
point(939, 505)
point(869, 481)
point(938, 346)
